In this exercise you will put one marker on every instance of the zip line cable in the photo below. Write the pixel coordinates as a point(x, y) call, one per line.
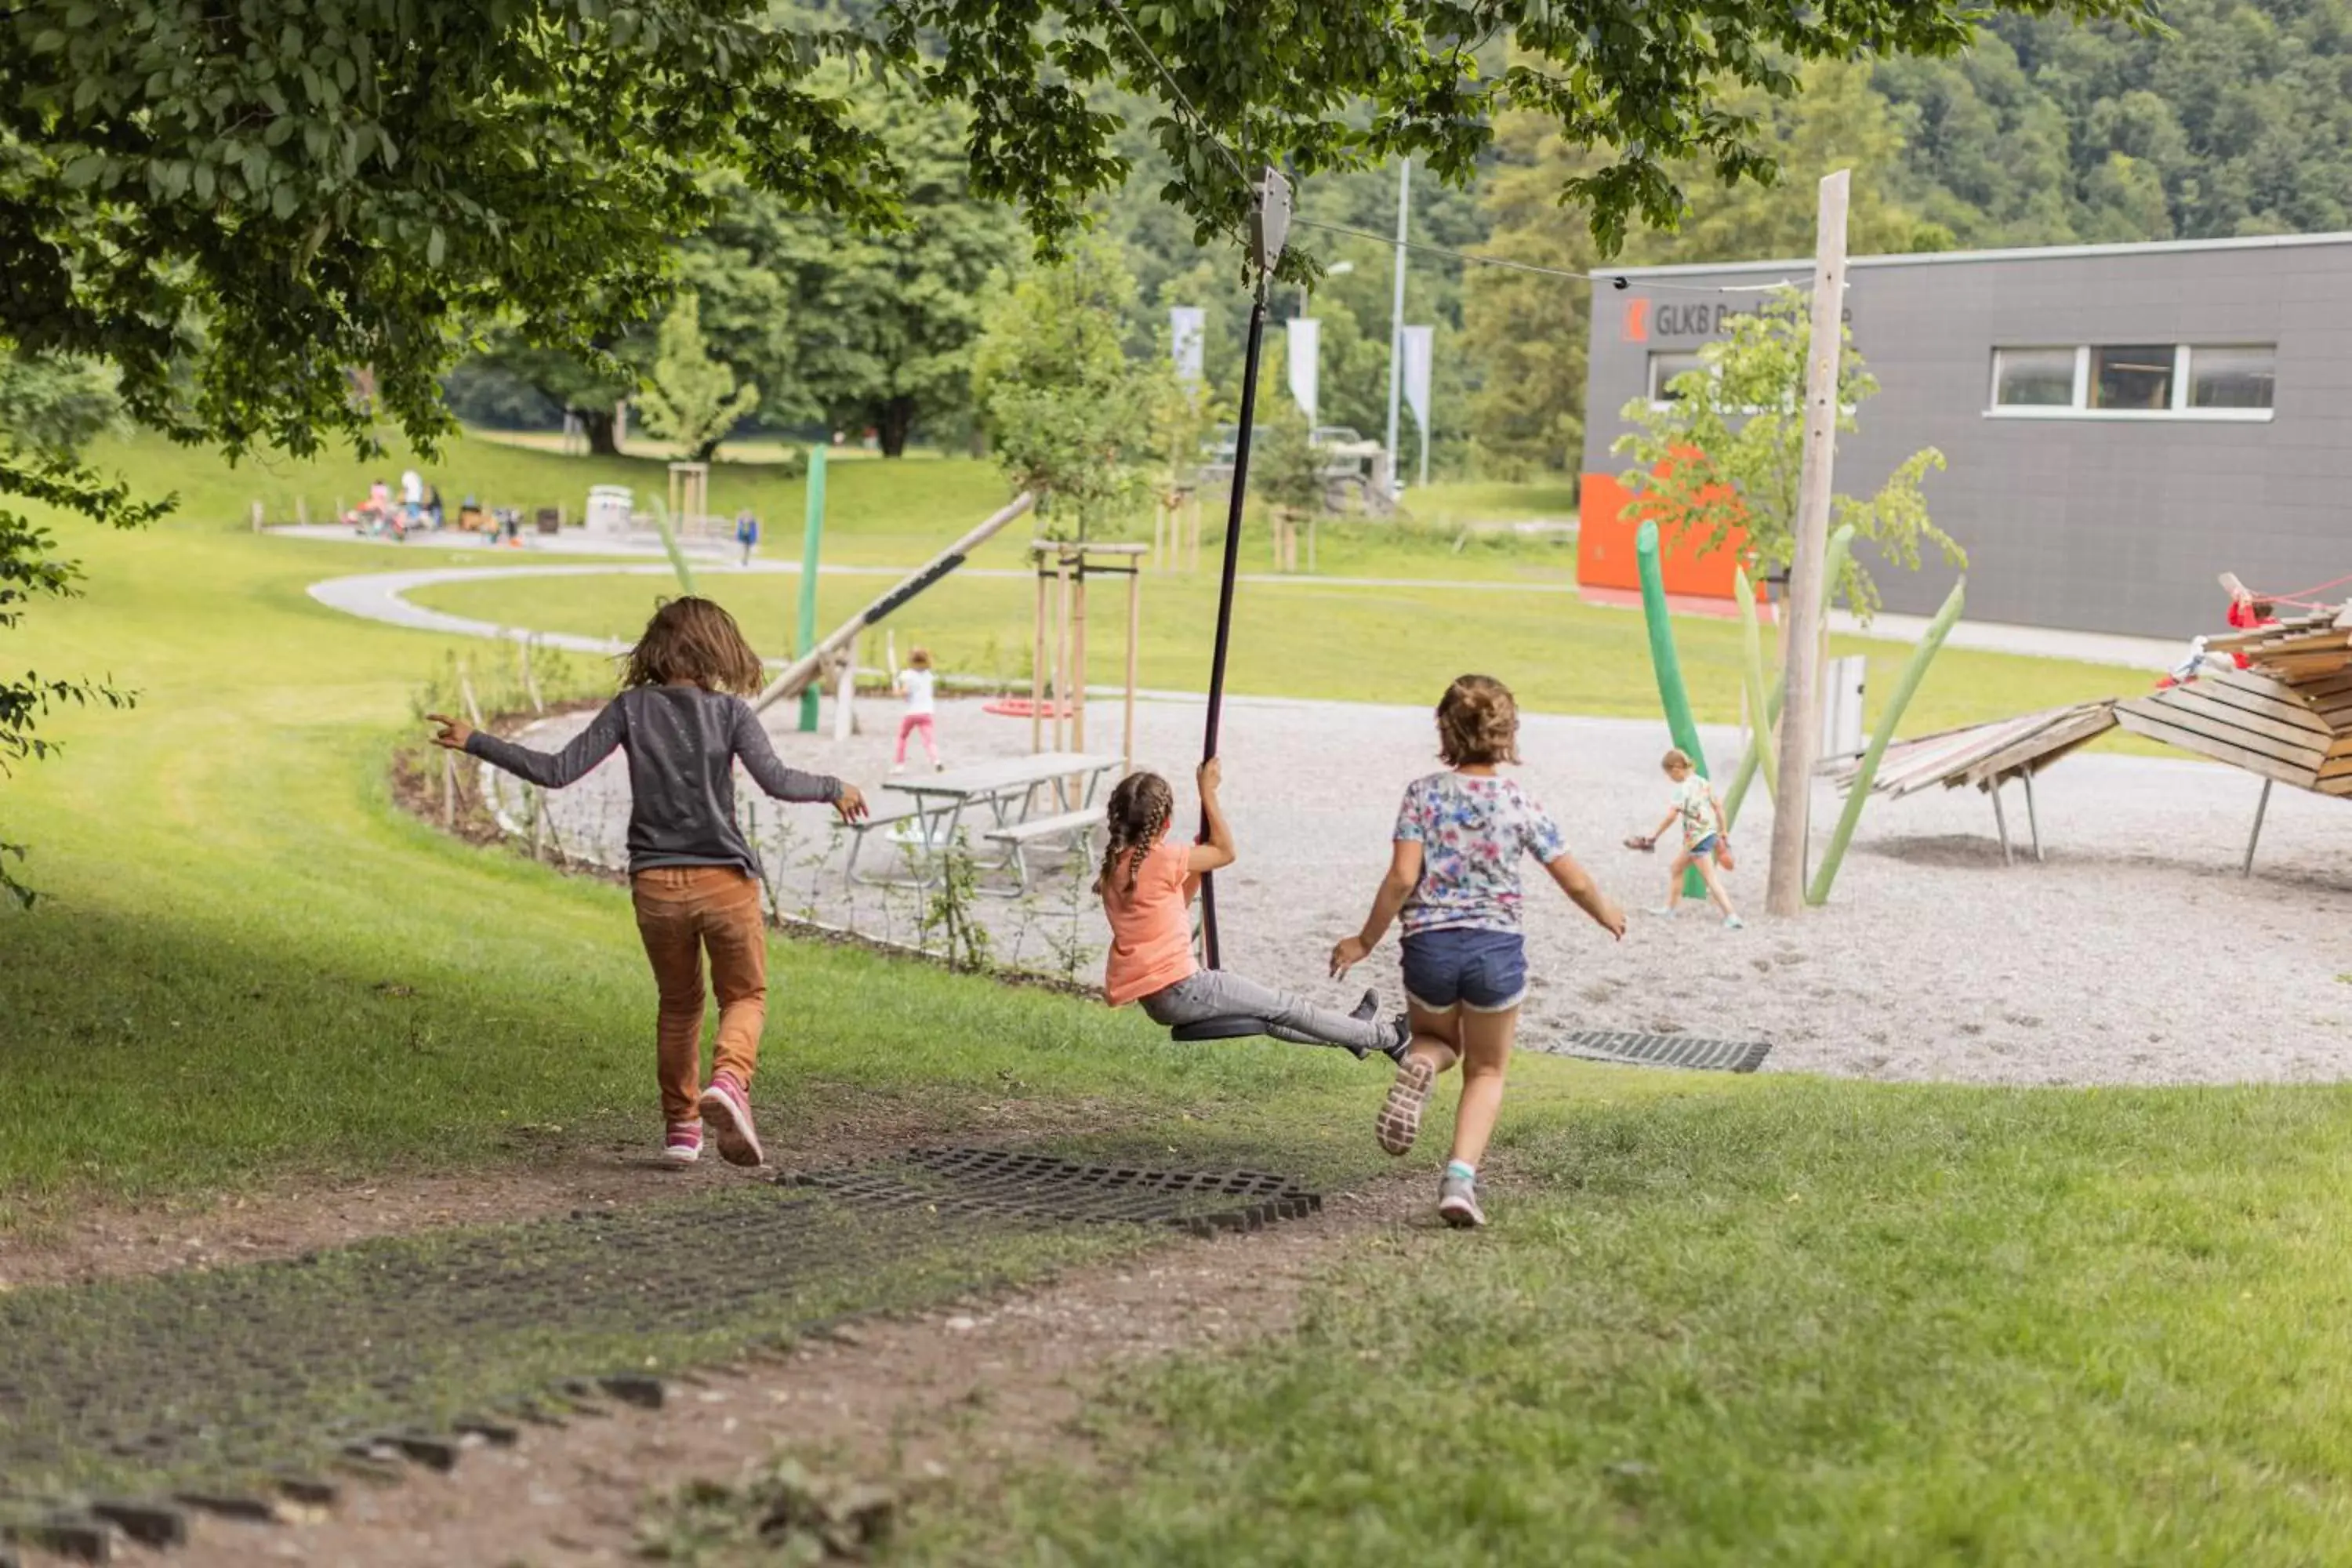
point(1616, 279)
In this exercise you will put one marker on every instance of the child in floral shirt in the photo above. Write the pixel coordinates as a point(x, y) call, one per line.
point(1454, 877)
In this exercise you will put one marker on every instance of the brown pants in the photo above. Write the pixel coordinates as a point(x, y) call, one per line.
point(681, 911)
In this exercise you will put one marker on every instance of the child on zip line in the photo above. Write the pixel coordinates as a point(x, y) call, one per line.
point(1147, 884)
point(1454, 876)
point(681, 720)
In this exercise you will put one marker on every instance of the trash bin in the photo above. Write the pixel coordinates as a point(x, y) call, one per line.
point(551, 520)
point(608, 509)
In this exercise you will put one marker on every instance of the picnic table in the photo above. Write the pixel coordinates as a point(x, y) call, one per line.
point(1025, 801)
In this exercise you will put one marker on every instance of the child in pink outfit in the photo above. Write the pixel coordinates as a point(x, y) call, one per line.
point(917, 685)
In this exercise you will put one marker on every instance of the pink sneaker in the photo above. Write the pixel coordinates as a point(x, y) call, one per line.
point(726, 1112)
point(683, 1146)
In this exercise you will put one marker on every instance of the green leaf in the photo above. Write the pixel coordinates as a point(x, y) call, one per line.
point(282, 201)
point(435, 248)
point(83, 171)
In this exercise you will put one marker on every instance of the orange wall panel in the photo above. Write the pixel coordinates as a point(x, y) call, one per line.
point(1605, 547)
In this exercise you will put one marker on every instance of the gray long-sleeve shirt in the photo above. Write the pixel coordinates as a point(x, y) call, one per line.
point(683, 743)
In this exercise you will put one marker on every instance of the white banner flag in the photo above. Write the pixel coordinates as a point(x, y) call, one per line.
point(1187, 331)
point(1414, 347)
point(1305, 342)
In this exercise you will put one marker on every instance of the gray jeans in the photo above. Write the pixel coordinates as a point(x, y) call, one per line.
point(1217, 994)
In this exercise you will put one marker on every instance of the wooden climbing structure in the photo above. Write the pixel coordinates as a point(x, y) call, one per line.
point(2274, 701)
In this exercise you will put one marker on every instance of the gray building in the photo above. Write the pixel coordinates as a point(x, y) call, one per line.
point(2122, 422)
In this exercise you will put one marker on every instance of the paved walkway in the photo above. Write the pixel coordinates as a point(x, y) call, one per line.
point(571, 541)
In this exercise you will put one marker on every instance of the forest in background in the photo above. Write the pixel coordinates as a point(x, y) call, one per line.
point(2238, 123)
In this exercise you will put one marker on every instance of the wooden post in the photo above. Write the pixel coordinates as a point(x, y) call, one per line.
point(1801, 710)
point(257, 517)
point(811, 547)
point(301, 512)
point(1062, 655)
point(1079, 657)
point(1134, 638)
point(531, 680)
point(448, 789)
point(1038, 669)
point(845, 721)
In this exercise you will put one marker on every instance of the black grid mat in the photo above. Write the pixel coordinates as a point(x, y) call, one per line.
point(239, 1387)
point(1011, 1185)
point(1659, 1050)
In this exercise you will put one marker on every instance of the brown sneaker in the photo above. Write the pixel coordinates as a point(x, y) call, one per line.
point(1399, 1122)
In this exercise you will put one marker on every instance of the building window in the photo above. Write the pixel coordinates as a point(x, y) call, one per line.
point(2135, 380)
point(2138, 377)
point(1665, 367)
point(2231, 376)
point(2034, 378)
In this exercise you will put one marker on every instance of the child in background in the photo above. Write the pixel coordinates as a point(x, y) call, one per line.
point(1454, 877)
point(917, 685)
point(1705, 837)
point(1147, 883)
point(747, 532)
point(692, 878)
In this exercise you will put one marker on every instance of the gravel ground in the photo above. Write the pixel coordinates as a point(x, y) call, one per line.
point(2134, 954)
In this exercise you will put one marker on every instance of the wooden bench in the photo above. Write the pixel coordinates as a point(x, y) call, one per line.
point(1072, 826)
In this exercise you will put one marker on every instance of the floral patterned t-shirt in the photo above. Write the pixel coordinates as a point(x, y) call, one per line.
point(1472, 832)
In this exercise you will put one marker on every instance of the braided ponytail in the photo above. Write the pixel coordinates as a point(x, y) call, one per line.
point(1135, 817)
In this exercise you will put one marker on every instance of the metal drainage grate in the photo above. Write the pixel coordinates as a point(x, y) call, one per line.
point(1005, 1185)
point(1661, 1050)
point(123, 1404)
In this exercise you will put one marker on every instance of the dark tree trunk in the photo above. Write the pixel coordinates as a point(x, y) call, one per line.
point(598, 424)
point(707, 452)
point(894, 420)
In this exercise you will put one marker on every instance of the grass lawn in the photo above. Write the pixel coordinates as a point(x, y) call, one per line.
point(1717, 1320)
point(1821, 1323)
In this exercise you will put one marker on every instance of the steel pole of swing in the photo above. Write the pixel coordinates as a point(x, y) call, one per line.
point(1270, 220)
point(1225, 598)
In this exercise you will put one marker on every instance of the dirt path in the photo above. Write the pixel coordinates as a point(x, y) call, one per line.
point(545, 1176)
point(951, 1397)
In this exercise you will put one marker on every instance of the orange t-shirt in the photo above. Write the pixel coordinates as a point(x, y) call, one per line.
point(1151, 934)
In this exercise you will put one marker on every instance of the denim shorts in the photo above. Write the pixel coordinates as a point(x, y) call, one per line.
point(1484, 971)
point(1703, 849)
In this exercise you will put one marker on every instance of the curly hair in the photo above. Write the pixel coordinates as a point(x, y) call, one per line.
point(1478, 723)
point(694, 642)
point(1136, 817)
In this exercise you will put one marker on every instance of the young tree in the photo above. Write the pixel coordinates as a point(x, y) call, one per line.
point(691, 398)
point(1069, 415)
point(1726, 451)
point(1283, 469)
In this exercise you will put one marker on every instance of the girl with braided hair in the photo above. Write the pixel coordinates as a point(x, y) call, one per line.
point(1147, 884)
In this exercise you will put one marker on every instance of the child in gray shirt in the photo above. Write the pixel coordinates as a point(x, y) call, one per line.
point(682, 720)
